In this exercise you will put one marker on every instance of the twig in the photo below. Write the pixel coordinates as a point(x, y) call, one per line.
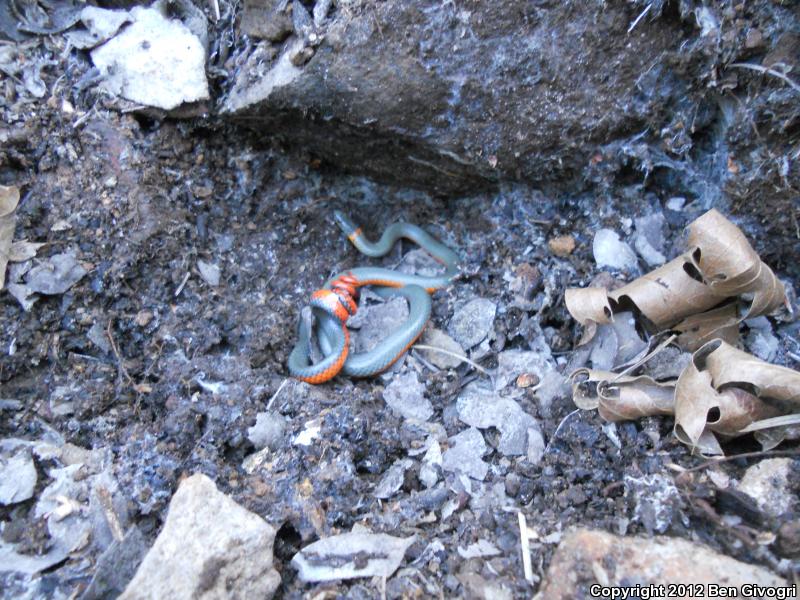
point(640, 17)
point(112, 519)
point(768, 71)
point(183, 283)
point(275, 395)
point(454, 355)
point(781, 421)
point(720, 459)
point(120, 363)
point(524, 541)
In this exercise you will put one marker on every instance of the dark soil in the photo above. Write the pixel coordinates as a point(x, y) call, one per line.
point(141, 198)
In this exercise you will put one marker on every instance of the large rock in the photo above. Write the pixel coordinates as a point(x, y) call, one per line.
point(210, 548)
point(449, 96)
point(587, 558)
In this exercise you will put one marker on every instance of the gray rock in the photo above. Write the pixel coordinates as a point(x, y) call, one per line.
point(17, 474)
point(649, 241)
point(405, 396)
point(483, 408)
point(760, 339)
point(349, 555)
point(513, 363)
point(767, 482)
point(268, 431)
point(610, 251)
point(464, 454)
point(97, 335)
point(55, 275)
point(471, 323)
point(439, 339)
point(116, 566)
point(155, 61)
point(656, 500)
point(431, 465)
point(393, 479)
point(432, 73)
point(267, 19)
point(210, 547)
point(374, 321)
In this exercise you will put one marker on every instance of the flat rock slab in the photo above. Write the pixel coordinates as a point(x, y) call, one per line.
point(586, 557)
point(210, 547)
point(451, 97)
point(155, 61)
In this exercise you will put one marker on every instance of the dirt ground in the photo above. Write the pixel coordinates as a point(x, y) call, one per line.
point(144, 359)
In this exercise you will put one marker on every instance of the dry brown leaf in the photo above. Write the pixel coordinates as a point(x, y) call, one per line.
point(9, 198)
point(731, 266)
point(634, 397)
point(711, 397)
point(722, 323)
point(621, 397)
point(719, 265)
point(589, 307)
point(730, 366)
point(668, 294)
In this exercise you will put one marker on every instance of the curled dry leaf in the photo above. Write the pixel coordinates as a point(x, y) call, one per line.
point(703, 294)
point(590, 307)
point(622, 397)
point(9, 198)
point(725, 390)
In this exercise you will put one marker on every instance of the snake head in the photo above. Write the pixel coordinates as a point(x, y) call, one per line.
point(344, 222)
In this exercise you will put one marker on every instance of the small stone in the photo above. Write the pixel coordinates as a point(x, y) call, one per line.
point(209, 547)
point(17, 475)
point(143, 318)
point(464, 454)
point(483, 408)
point(526, 380)
point(562, 245)
point(610, 251)
point(439, 339)
point(511, 364)
point(268, 431)
point(348, 555)
point(649, 241)
point(55, 275)
point(431, 465)
point(472, 322)
point(393, 479)
point(209, 272)
point(405, 396)
point(767, 482)
point(97, 335)
point(754, 39)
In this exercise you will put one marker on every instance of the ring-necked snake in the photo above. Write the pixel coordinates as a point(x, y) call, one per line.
point(336, 302)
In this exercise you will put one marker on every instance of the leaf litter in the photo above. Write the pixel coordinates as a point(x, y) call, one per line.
point(699, 298)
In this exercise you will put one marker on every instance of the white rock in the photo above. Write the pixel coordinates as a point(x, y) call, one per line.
point(349, 555)
point(610, 251)
point(767, 482)
point(439, 339)
point(209, 548)
point(209, 272)
point(649, 242)
point(431, 465)
point(155, 61)
point(268, 430)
